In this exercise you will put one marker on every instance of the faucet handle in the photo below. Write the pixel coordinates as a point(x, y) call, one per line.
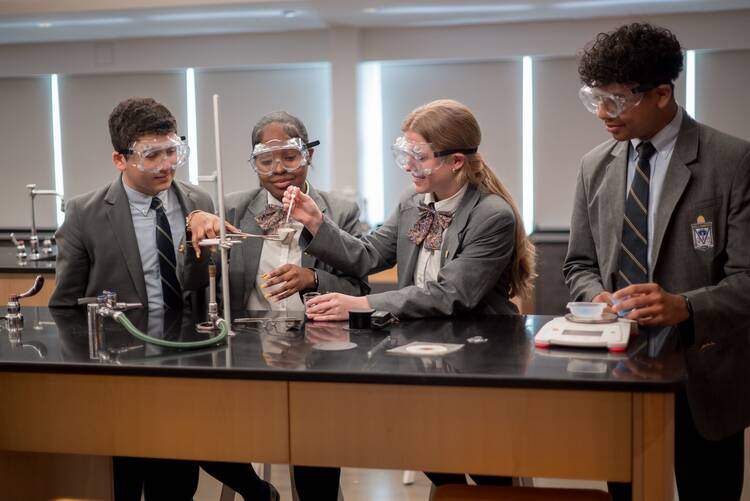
point(38, 284)
point(16, 242)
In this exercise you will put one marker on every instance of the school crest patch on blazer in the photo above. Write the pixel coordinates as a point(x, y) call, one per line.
point(703, 234)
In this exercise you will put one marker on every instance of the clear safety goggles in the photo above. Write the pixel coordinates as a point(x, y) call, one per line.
point(594, 98)
point(290, 154)
point(417, 158)
point(157, 155)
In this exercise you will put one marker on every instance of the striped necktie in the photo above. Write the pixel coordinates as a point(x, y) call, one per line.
point(634, 243)
point(170, 286)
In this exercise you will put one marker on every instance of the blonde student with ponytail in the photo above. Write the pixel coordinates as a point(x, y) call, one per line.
point(456, 236)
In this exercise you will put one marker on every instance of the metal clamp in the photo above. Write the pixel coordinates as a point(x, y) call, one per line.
point(20, 248)
point(105, 305)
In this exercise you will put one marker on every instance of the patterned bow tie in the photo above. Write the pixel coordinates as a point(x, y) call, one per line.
point(428, 230)
point(271, 217)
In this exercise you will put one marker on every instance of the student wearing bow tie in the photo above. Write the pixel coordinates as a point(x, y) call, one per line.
point(456, 235)
point(272, 275)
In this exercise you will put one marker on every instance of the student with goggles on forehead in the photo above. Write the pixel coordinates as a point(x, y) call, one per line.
point(456, 235)
point(272, 275)
point(660, 232)
point(124, 237)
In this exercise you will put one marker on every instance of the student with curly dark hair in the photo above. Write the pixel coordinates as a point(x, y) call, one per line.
point(660, 232)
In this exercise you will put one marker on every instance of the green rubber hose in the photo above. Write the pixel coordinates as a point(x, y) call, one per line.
point(123, 320)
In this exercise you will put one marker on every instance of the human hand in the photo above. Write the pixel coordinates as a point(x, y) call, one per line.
point(304, 209)
point(604, 297)
point(651, 305)
point(334, 306)
point(204, 225)
point(291, 278)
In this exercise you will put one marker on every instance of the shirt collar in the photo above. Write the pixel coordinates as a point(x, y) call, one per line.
point(272, 200)
point(665, 139)
point(449, 204)
point(142, 202)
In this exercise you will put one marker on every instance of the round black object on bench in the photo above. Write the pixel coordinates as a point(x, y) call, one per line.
point(360, 319)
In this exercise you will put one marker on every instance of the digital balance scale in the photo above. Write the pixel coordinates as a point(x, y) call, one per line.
point(607, 331)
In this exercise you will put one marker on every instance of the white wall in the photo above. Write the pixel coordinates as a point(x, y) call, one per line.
point(246, 96)
point(723, 91)
point(490, 89)
point(26, 145)
point(479, 65)
point(563, 132)
point(85, 104)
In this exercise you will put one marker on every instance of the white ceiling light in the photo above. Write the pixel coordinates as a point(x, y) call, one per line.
point(446, 9)
point(582, 4)
point(65, 23)
point(221, 15)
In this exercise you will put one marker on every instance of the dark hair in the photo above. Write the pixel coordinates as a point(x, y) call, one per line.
point(634, 53)
point(293, 126)
point(136, 117)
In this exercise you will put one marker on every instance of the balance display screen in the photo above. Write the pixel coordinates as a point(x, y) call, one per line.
point(583, 333)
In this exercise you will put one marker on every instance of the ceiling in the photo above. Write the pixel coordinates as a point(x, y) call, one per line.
point(25, 21)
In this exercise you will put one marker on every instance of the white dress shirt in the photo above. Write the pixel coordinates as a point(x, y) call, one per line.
point(664, 142)
point(144, 223)
point(428, 262)
point(273, 255)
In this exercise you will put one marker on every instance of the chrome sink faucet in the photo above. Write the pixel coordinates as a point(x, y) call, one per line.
point(34, 239)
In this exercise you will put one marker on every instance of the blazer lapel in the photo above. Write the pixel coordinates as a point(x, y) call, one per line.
point(676, 180)
point(118, 213)
point(184, 196)
point(406, 258)
point(456, 228)
point(611, 203)
point(249, 252)
point(308, 261)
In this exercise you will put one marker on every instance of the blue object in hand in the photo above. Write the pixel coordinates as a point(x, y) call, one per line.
point(621, 313)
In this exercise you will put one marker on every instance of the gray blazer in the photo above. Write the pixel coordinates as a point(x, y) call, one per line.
point(476, 256)
point(709, 176)
point(98, 249)
point(241, 209)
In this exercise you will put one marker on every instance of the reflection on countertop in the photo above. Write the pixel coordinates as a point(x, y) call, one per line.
point(284, 348)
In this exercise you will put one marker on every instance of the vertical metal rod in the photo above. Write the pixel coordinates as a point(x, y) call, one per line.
point(33, 211)
point(223, 231)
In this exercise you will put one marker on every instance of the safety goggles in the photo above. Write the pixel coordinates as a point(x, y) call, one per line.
point(420, 159)
point(290, 155)
point(613, 104)
point(157, 155)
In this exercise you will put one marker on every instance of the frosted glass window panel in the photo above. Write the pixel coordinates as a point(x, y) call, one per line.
point(26, 143)
point(85, 104)
point(245, 96)
point(722, 83)
point(563, 132)
point(492, 90)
